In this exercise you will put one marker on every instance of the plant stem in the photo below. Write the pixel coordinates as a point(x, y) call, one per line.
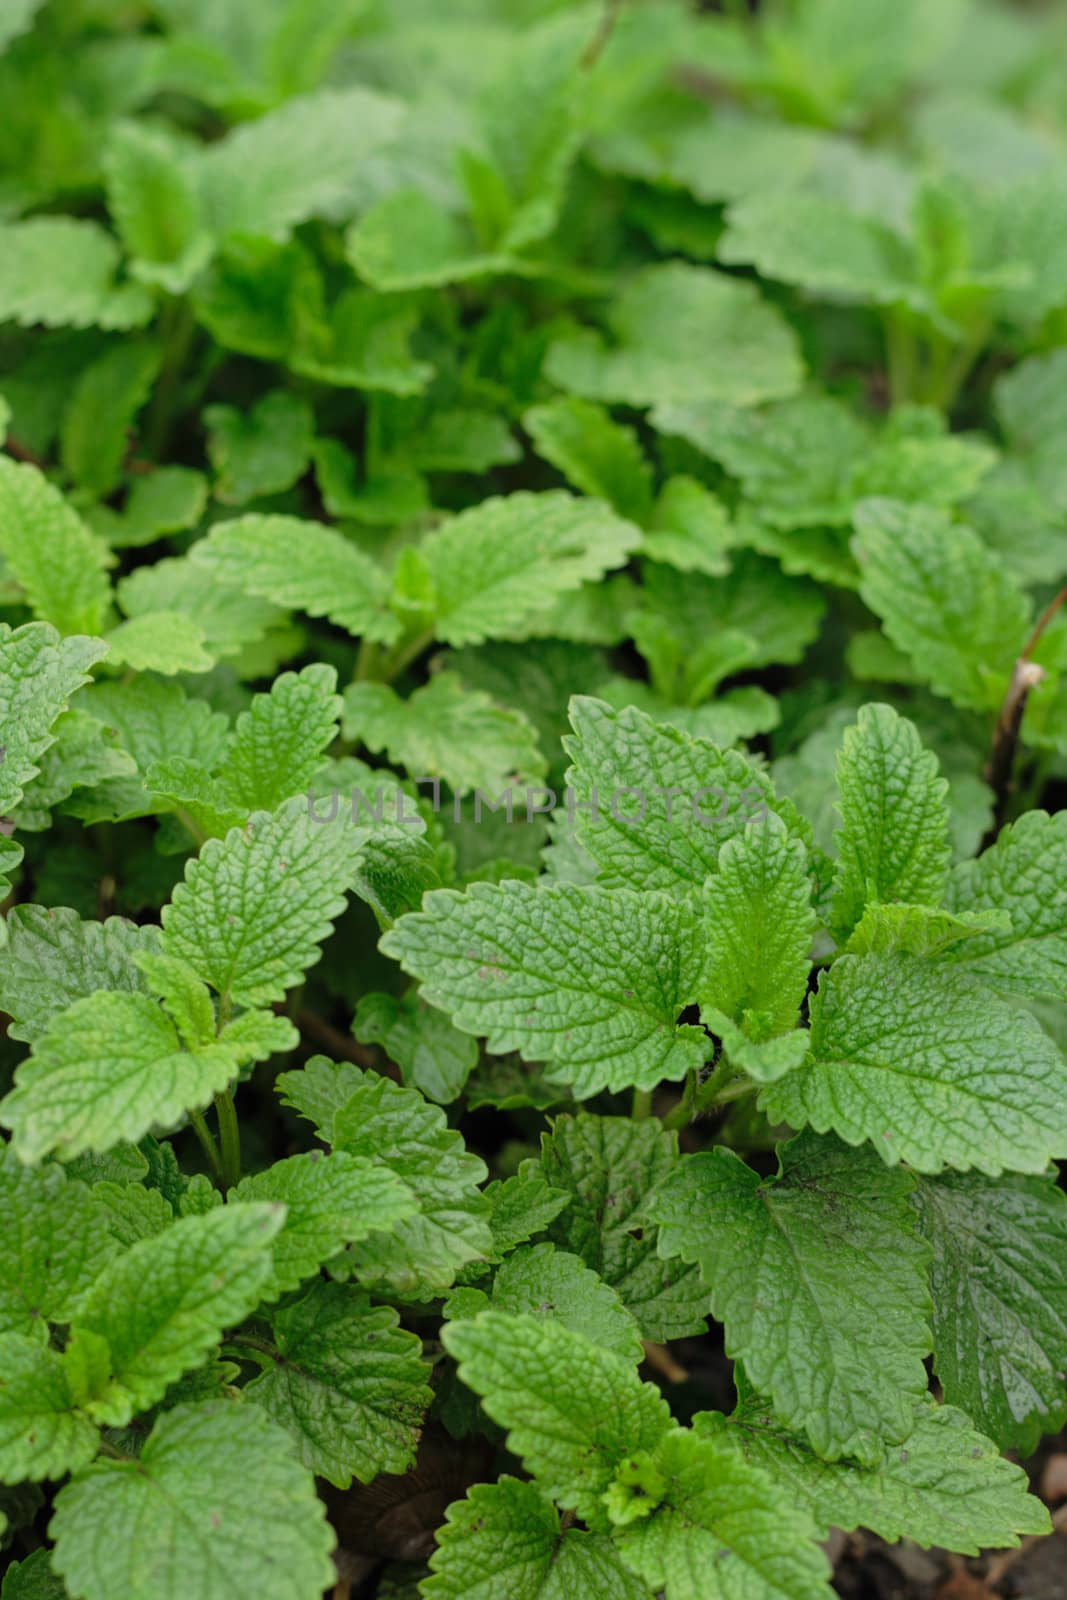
point(230, 1139)
point(207, 1140)
point(902, 353)
point(642, 1105)
point(682, 1114)
point(713, 1085)
point(112, 1450)
point(1026, 675)
point(600, 40)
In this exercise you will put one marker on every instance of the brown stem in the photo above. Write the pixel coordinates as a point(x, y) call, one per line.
point(22, 452)
point(598, 43)
point(1026, 675)
point(659, 1357)
point(340, 1045)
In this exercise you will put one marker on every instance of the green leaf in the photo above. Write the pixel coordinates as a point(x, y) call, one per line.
point(501, 564)
point(58, 564)
point(108, 1068)
point(590, 983)
point(329, 1201)
point(430, 1052)
point(947, 1486)
point(893, 844)
point(541, 1281)
point(408, 241)
point(1020, 874)
point(608, 1166)
point(155, 721)
point(793, 456)
point(51, 1247)
point(349, 1384)
point(301, 160)
point(162, 1305)
point(507, 1536)
point(279, 741)
point(60, 271)
point(920, 930)
point(721, 1531)
point(663, 314)
point(818, 244)
point(181, 1519)
point(167, 500)
point(599, 456)
point(41, 1435)
point(167, 642)
point(445, 730)
point(40, 673)
point(152, 195)
point(573, 1410)
point(690, 529)
point(259, 452)
point(760, 926)
point(319, 1090)
point(819, 1276)
point(53, 958)
point(397, 1128)
point(32, 1579)
point(654, 805)
point(999, 1281)
point(944, 599)
point(522, 1205)
point(303, 565)
point(928, 1066)
point(107, 397)
point(255, 906)
point(231, 618)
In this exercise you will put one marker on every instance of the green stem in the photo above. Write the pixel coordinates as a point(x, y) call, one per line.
point(207, 1139)
point(403, 655)
point(682, 1115)
point(112, 1450)
point(230, 1139)
point(642, 1105)
point(246, 1347)
point(710, 1091)
point(902, 353)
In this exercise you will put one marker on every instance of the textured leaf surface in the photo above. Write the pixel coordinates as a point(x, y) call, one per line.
point(597, 455)
point(930, 1068)
point(279, 741)
point(947, 1486)
point(397, 1128)
point(255, 906)
point(819, 1276)
point(591, 983)
point(430, 1052)
point(1022, 874)
point(608, 1166)
point(164, 1303)
point(40, 673)
point(303, 565)
point(41, 1435)
point(893, 844)
point(329, 1201)
point(499, 565)
point(505, 1537)
point(658, 804)
point(349, 1384)
point(58, 563)
point(722, 1531)
point(60, 271)
point(107, 1069)
point(446, 731)
point(943, 599)
point(263, 452)
point(760, 925)
point(665, 312)
point(999, 1282)
point(53, 958)
point(541, 1281)
point(572, 1410)
point(51, 1249)
point(180, 1518)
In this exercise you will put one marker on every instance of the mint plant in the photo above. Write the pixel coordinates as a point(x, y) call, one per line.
point(533, 722)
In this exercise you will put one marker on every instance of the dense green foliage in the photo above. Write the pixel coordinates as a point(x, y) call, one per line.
point(533, 719)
